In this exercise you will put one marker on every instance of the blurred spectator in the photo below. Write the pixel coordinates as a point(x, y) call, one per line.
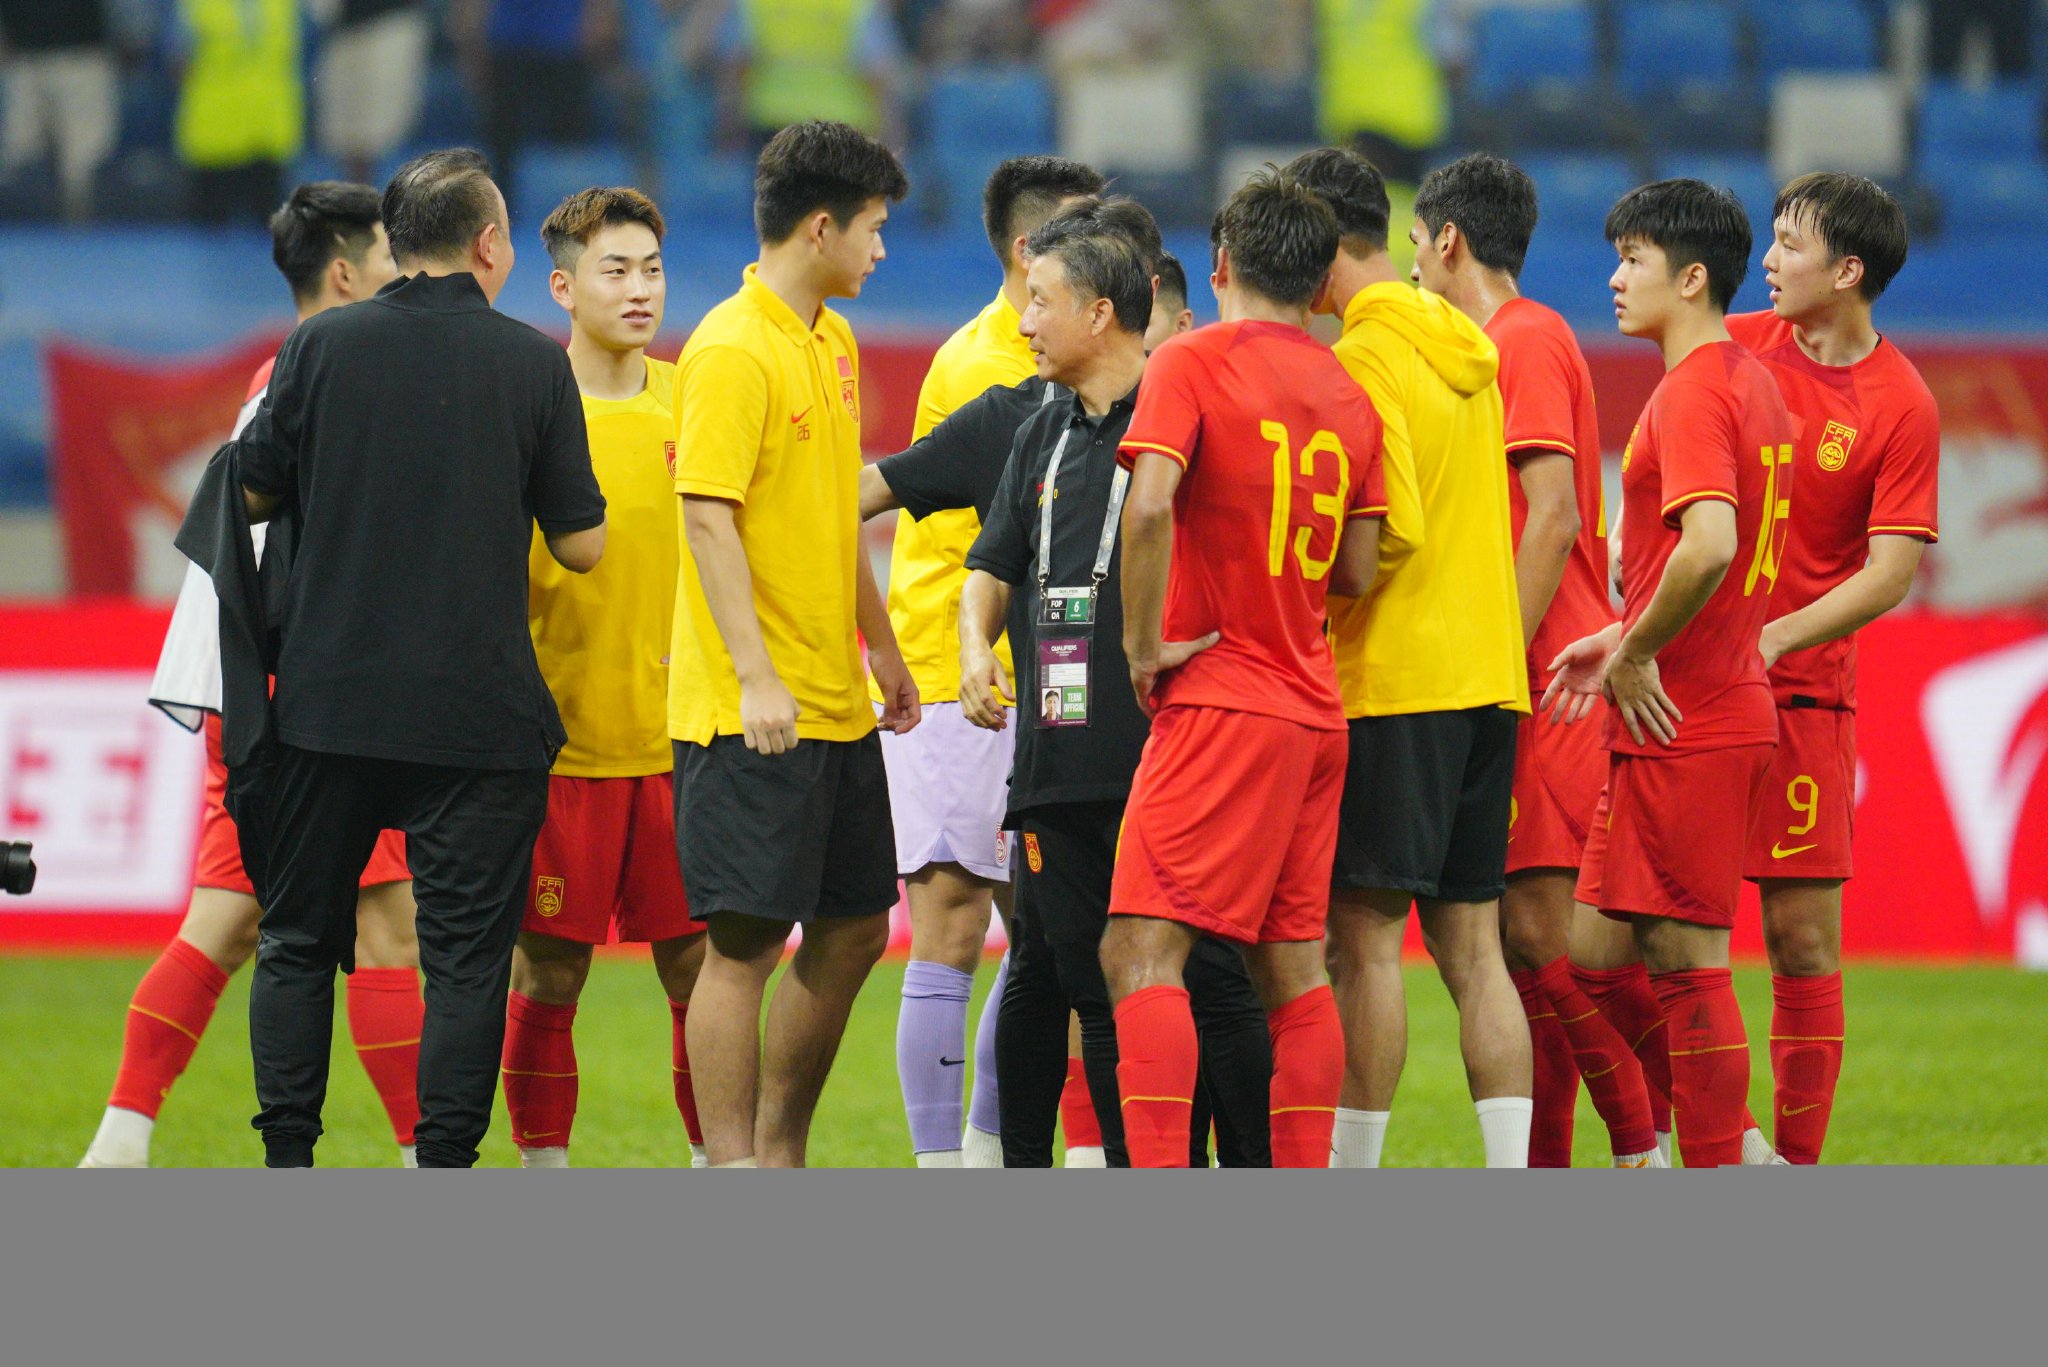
point(532, 64)
point(784, 61)
point(62, 96)
point(1382, 86)
point(370, 80)
point(953, 32)
point(2007, 26)
point(241, 104)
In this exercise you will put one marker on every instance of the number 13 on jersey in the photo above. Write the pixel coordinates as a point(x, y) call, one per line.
point(1321, 506)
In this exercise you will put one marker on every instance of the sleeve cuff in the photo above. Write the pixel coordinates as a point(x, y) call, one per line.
point(554, 526)
point(1684, 501)
point(1377, 511)
point(1127, 454)
point(1519, 451)
point(1919, 529)
point(705, 488)
point(1007, 573)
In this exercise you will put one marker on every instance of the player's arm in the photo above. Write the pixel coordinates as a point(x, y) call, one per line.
point(577, 552)
point(958, 463)
point(986, 692)
point(1698, 563)
point(900, 703)
point(1547, 535)
point(1148, 558)
point(1851, 605)
point(767, 708)
point(1358, 557)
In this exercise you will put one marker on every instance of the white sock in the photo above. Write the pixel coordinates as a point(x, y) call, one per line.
point(939, 1158)
point(408, 1156)
point(738, 1163)
point(1358, 1138)
point(980, 1149)
point(1504, 1129)
point(1652, 1158)
point(1086, 1156)
point(121, 1142)
point(544, 1158)
point(1664, 1145)
point(698, 1158)
point(1756, 1150)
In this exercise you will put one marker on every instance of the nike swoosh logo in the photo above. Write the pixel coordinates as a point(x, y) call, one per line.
point(945, 1062)
point(1780, 853)
point(799, 417)
point(1789, 1111)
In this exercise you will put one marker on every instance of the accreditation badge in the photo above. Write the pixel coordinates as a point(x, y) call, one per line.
point(1067, 607)
point(1063, 691)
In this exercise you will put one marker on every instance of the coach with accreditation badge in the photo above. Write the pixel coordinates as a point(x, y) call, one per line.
point(417, 437)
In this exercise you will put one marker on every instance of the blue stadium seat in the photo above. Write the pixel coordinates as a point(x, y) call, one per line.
point(448, 113)
point(548, 173)
point(1671, 46)
point(1574, 193)
point(1813, 35)
point(1517, 50)
point(1958, 121)
point(1991, 193)
point(974, 118)
point(1252, 109)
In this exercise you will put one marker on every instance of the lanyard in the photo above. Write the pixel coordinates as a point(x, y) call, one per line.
point(1105, 547)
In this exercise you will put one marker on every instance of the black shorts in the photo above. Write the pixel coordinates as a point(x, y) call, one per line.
point(791, 837)
point(1426, 804)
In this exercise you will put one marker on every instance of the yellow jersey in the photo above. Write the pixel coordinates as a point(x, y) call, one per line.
point(768, 418)
point(603, 638)
point(928, 565)
point(1441, 629)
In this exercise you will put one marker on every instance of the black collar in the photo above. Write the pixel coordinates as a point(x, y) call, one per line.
point(457, 293)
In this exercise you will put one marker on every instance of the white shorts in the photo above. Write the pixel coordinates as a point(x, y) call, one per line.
point(369, 82)
point(949, 787)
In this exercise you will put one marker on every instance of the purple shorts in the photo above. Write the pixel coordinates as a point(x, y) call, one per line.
point(949, 786)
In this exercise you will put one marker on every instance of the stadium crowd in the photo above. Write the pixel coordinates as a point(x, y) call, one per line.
point(1209, 656)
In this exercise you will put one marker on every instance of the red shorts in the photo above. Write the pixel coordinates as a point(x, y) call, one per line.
point(1232, 826)
point(606, 860)
point(220, 846)
point(1670, 832)
point(1801, 827)
point(1559, 772)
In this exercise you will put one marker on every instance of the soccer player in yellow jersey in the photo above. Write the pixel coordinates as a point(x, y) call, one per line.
point(782, 806)
point(948, 780)
point(605, 860)
point(1432, 670)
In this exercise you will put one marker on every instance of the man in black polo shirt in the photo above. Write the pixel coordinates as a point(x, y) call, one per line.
point(416, 438)
point(1079, 741)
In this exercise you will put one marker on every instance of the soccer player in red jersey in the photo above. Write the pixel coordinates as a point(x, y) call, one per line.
point(1706, 496)
point(1473, 222)
point(328, 242)
point(1255, 471)
point(1867, 457)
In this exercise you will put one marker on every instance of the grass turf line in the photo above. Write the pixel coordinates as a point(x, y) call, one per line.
point(1940, 1069)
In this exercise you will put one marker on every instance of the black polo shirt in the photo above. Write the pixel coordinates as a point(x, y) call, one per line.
point(959, 463)
point(1096, 762)
point(421, 434)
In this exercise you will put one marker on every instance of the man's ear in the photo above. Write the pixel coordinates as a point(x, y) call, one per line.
point(341, 278)
point(1692, 281)
point(561, 289)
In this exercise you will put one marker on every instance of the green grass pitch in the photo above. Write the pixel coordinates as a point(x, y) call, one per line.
point(1944, 1066)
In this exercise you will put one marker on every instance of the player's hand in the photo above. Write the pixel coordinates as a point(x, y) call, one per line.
point(768, 716)
point(1579, 667)
point(1771, 646)
point(985, 690)
point(901, 707)
point(1172, 655)
point(1633, 686)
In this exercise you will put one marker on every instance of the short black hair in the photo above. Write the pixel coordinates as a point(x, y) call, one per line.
point(817, 165)
point(1173, 278)
point(322, 220)
point(437, 204)
point(1854, 216)
point(1281, 236)
point(1355, 191)
point(1024, 192)
point(1102, 257)
point(1492, 201)
point(1695, 224)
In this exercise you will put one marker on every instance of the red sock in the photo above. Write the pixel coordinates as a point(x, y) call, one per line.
point(1077, 1110)
point(679, 1061)
point(384, 1015)
point(166, 1017)
point(1308, 1075)
point(540, 1072)
point(1556, 1091)
point(1155, 1073)
point(1709, 1064)
point(1806, 1060)
point(1614, 1077)
point(1626, 998)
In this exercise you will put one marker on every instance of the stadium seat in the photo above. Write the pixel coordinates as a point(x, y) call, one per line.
point(1990, 193)
point(1517, 49)
point(1668, 47)
point(1251, 109)
point(547, 173)
point(1956, 120)
point(1842, 122)
point(1813, 35)
point(974, 118)
point(447, 108)
point(1574, 193)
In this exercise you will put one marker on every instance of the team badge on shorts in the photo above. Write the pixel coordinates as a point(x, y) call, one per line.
point(1835, 441)
point(547, 895)
point(1002, 849)
point(1031, 854)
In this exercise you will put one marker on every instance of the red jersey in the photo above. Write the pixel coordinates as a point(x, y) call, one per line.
point(260, 381)
point(1868, 460)
point(1281, 449)
point(1715, 428)
point(1547, 392)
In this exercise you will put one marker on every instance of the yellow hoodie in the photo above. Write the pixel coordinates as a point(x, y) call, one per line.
point(1442, 628)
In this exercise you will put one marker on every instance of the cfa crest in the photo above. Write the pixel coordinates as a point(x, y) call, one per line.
point(668, 453)
point(1630, 449)
point(1002, 849)
point(1031, 854)
point(1835, 441)
point(547, 895)
point(849, 387)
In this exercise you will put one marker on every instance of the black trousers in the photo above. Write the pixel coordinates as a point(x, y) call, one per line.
point(469, 839)
point(1062, 909)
